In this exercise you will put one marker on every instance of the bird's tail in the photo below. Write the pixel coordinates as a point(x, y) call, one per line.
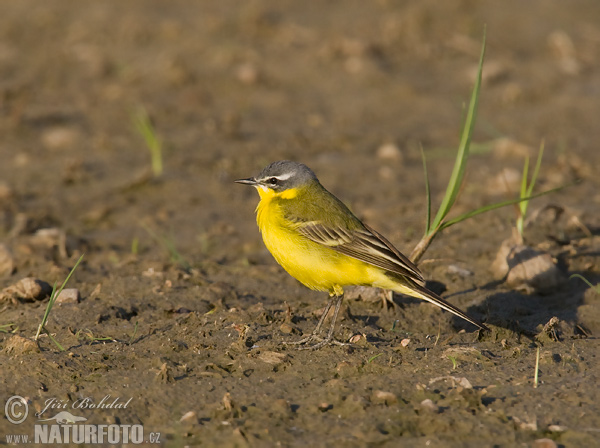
point(421, 292)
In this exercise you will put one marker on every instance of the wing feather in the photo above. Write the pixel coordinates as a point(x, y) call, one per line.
point(364, 244)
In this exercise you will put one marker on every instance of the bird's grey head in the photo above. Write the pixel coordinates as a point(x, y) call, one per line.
point(282, 175)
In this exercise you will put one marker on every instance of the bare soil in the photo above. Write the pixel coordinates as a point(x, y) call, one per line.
point(194, 336)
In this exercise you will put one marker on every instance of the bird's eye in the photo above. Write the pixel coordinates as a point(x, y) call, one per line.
point(273, 181)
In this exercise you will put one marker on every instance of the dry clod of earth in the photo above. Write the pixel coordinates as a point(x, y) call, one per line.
point(27, 289)
point(526, 268)
point(18, 345)
point(273, 358)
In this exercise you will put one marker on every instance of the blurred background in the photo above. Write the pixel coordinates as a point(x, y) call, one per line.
point(350, 88)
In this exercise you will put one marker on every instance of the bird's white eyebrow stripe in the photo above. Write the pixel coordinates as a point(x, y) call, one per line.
point(284, 176)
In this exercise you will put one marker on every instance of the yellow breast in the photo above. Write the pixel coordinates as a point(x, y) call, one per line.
point(316, 266)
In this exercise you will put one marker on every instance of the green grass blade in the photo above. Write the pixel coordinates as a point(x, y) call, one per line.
point(52, 300)
point(527, 189)
point(523, 194)
point(67, 279)
point(524, 178)
point(5, 327)
point(146, 129)
point(60, 347)
point(536, 170)
point(587, 282)
point(46, 312)
point(497, 205)
point(462, 155)
point(427, 193)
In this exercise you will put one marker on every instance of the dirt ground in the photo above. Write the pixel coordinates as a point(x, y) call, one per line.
point(184, 313)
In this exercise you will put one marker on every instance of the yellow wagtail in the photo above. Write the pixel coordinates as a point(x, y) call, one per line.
point(320, 242)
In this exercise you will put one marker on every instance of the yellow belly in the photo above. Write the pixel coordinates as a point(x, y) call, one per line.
point(317, 267)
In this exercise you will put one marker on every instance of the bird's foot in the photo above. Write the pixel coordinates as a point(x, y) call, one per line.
point(320, 342)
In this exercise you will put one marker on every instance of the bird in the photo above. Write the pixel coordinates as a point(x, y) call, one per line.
point(323, 245)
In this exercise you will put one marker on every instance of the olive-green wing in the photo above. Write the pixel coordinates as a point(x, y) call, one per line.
point(364, 244)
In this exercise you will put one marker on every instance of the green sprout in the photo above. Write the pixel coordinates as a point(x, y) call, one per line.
point(527, 190)
point(587, 282)
point(454, 361)
point(51, 301)
point(135, 245)
point(5, 328)
point(145, 127)
point(373, 358)
point(135, 329)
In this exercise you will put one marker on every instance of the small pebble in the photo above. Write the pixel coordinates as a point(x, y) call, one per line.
point(384, 397)
point(188, 417)
point(324, 407)
point(389, 151)
point(68, 295)
point(354, 339)
point(457, 270)
point(60, 137)
point(544, 443)
point(429, 405)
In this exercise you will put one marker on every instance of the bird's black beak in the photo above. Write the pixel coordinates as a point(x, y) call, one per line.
point(249, 181)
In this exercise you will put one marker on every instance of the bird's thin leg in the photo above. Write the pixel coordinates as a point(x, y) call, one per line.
point(338, 304)
point(315, 334)
point(317, 329)
point(329, 339)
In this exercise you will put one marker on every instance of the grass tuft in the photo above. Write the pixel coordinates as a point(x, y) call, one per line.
point(458, 171)
point(51, 301)
point(527, 190)
point(454, 362)
point(135, 329)
point(144, 126)
point(440, 222)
